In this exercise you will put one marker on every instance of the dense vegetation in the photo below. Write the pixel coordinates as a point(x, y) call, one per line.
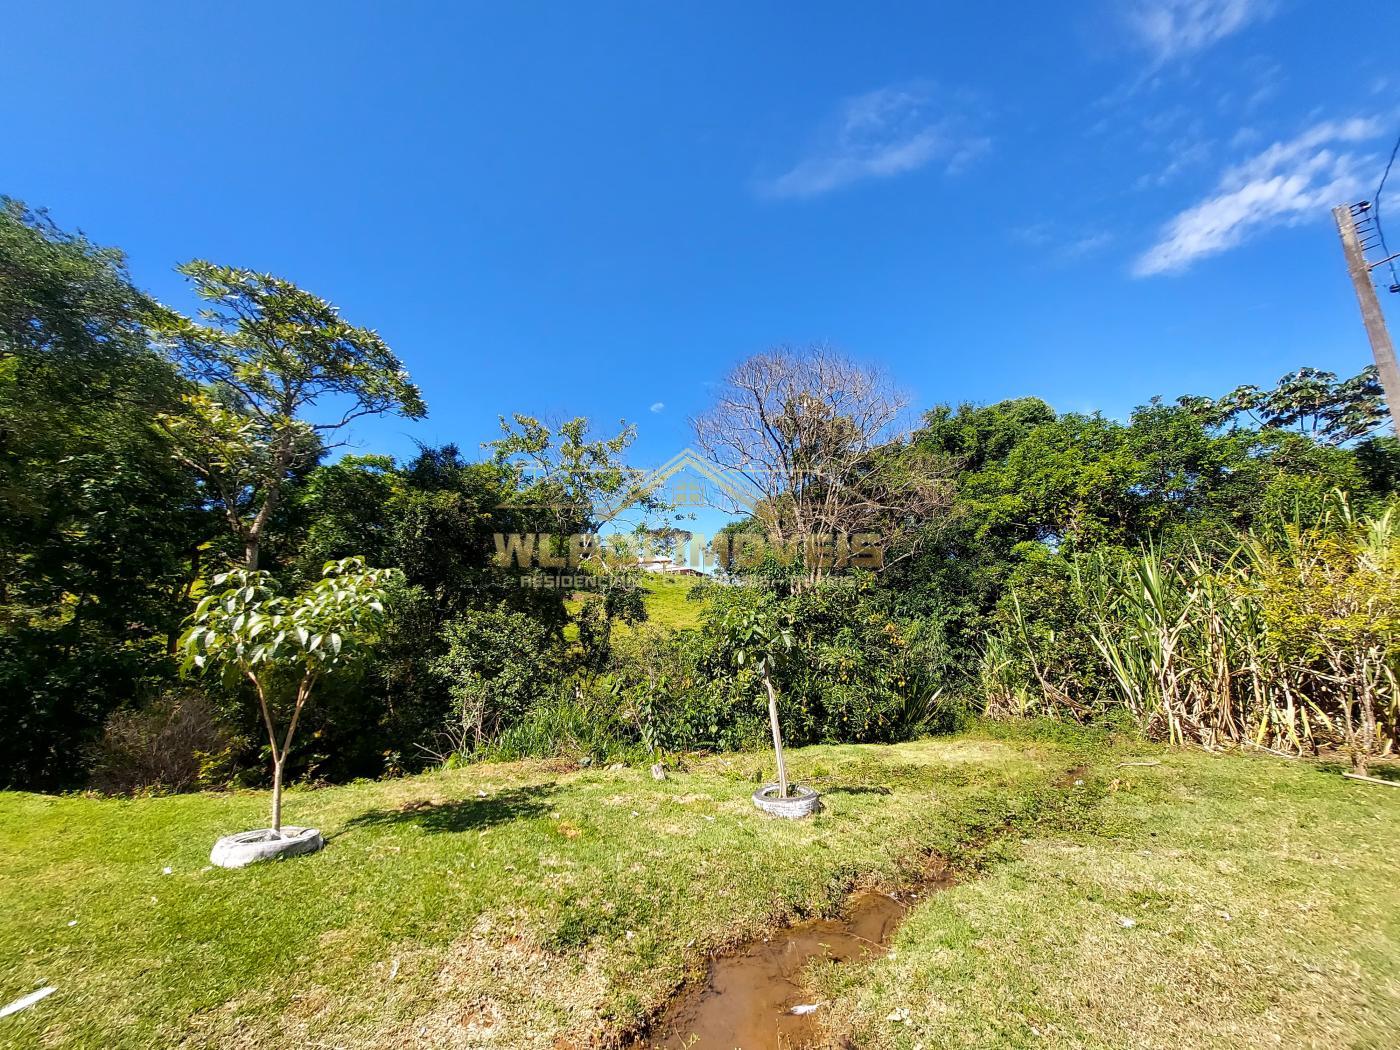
point(1216, 570)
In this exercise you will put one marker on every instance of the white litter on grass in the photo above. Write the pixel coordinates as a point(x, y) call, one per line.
point(899, 1016)
point(27, 1001)
point(803, 1008)
point(166, 871)
point(72, 922)
point(394, 970)
point(1126, 922)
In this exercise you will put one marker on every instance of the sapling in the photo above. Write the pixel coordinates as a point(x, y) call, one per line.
point(285, 646)
point(758, 639)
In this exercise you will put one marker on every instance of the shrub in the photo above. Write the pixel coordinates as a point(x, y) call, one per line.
point(573, 722)
point(498, 665)
point(175, 743)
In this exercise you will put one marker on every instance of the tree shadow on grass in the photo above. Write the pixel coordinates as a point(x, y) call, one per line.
point(457, 815)
point(857, 789)
point(1380, 769)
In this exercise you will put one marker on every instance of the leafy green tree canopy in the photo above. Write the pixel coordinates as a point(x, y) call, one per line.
point(267, 353)
point(1309, 400)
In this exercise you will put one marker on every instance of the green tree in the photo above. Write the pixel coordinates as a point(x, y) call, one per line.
point(285, 647)
point(1315, 403)
point(98, 524)
point(266, 353)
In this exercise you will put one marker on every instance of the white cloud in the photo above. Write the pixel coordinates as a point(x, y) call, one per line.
point(1173, 29)
point(1286, 184)
point(658, 406)
point(878, 135)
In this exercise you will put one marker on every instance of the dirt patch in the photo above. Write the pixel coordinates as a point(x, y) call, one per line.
point(1073, 778)
point(754, 998)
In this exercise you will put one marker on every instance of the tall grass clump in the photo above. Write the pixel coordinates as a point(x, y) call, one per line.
point(1288, 639)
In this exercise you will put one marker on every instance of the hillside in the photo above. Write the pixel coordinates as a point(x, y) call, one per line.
point(538, 904)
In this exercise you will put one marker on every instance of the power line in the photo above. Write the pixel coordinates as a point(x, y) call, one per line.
point(1376, 215)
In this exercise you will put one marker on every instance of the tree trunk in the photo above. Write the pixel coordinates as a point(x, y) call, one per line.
point(777, 733)
point(252, 544)
point(277, 797)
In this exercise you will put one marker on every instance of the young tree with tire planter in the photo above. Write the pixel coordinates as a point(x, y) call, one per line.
point(757, 637)
point(286, 646)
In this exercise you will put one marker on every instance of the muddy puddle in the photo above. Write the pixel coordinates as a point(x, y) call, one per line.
point(748, 997)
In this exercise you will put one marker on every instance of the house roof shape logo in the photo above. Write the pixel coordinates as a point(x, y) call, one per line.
point(738, 488)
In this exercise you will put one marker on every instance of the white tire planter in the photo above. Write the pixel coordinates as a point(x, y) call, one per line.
point(249, 847)
point(801, 801)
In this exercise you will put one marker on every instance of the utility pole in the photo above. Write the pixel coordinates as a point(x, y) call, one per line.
point(1371, 316)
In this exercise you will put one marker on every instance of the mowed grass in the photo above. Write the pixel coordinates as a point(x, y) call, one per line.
point(533, 905)
point(1217, 901)
point(522, 903)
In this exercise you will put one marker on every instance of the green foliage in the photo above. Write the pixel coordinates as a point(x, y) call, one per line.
point(248, 630)
point(99, 527)
point(498, 664)
point(581, 479)
point(752, 635)
point(264, 354)
point(1289, 638)
point(1313, 402)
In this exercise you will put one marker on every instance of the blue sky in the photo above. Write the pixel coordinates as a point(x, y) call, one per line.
point(596, 208)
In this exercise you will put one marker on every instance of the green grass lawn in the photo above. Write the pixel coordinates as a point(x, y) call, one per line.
point(1213, 902)
point(668, 603)
point(533, 905)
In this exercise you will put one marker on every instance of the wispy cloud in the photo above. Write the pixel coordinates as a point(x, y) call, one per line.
point(1061, 244)
point(1185, 153)
point(1286, 184)
point(658, 406)
point(1173, 29)
point(880, 134)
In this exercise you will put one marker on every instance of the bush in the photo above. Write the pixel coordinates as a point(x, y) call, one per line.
point(175, 743)
point(498, 666)
point(573, 723)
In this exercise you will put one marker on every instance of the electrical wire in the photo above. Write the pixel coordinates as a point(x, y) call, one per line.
point(1376, 211)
